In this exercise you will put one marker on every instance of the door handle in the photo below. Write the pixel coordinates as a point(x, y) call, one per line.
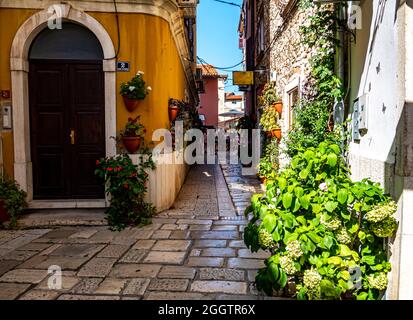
point(72, 136)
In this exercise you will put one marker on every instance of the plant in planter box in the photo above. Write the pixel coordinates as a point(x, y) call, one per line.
point(133, 91)
point(12, 201)
point(270, 98)
point(133, 134)
point(325, 232)
point(269, 122)
point(269, 164)
point(125, 183)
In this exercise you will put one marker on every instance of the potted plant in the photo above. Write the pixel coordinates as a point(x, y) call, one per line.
point(12, 201)
point(133, 91)
point(271, 99)
point(174, 108)
point(133, 134)
point(269, 122)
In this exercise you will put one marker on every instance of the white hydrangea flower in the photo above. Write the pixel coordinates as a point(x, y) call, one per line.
point(378, 281)
point(312, 279)
point(323, 187)
point(294, 249)
point(287, 264)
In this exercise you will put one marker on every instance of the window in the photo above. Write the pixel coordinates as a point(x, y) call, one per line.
point(261, 36)
point(293, 97)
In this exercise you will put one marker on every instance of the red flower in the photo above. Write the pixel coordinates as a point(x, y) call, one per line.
point(97, 162)
point(133, 175)
point(109, 169)
point(126, 185)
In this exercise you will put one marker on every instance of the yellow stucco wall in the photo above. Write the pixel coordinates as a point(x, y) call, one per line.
point(146, 42)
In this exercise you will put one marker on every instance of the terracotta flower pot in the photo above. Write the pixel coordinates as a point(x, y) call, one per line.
point(278, 106)
point(173, 113)
point(4, 215)
point(131, 143)
point(130, 104)
point(275, 134)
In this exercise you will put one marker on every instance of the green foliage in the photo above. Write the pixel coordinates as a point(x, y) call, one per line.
point(325, 232)
point(269, 95)
point(269, 119)
point(14, 199)
point(245, 123)
point(269, 164)
point(126, 184)
point(135, 88)
point(134, 128)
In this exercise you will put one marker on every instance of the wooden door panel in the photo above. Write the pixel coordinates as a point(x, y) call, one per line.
point(48, 123)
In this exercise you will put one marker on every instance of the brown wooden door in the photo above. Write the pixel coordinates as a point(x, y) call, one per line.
point(67, 128)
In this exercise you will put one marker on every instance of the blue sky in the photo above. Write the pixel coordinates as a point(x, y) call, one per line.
point(217, 35)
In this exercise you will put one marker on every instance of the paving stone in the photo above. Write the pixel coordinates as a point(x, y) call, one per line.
point(246, 253)
point(103, 236)
point(224, 228)
point(18, 255)
point(143, 234)
point(176, 296)
point(7, 265)
point(241, 263)
point(84, 234)
point(161, 234)
point(59, 234)
point(195, 253)
point(136, 287)
point(86, 297)
point(113, 251)
point(65, 263)
point(230, 222)
point(205, 262)
point(172, 245)
point(10, 291)
point(50, 249)
point(87, 285)
point(144, 244)
point(35, 246)
point(251, 275)
point(179, 234)
point(163, 221)
point(168, 285)
point(133, 256)
point(40, 295)
point(210, 244)
point(111, 286)
point(68, 282)
point(216, 235)
point(172, 227)
point(177, 272)
point(193, 221)
point(24, 276)
point(221, 274)
point(165, 257)
point(77, 250)
point(200, 227)
point(218, 252)
point(135, 271)
point(97, 267)
point(235, 297)
point(237, 244)
point(219, 286)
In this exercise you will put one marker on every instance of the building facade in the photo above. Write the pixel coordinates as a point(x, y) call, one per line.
point(60, 87)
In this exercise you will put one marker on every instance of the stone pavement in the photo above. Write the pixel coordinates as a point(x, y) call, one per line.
point(193, 251)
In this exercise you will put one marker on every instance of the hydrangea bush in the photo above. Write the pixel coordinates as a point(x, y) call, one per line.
point(325, 232)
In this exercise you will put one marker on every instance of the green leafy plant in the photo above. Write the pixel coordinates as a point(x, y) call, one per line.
point(269, 119)
point(269, 95)
point(133, 128)
point(14, 199)
point(126, 185)
point(269, 164)
point(325, 232)
point(135, 88)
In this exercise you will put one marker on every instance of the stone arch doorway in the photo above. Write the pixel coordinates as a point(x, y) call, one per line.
point(67, 114)
point(19, 62)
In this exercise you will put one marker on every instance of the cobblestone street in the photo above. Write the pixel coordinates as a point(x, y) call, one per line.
point(192, 251)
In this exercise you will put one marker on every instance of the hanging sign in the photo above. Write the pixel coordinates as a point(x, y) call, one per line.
point(243, 78)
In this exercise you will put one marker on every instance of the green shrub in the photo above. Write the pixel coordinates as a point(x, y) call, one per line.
point(325, 232)
point(14, 199)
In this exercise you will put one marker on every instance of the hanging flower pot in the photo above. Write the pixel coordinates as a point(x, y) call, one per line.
point(131, 143)
point(173, 112)
point(278, 106)
point(276, 133)
point(130, 104)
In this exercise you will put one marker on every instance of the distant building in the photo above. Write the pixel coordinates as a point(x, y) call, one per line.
point(233, 106)
point(213, 97)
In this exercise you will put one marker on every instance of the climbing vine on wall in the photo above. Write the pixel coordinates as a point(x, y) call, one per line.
point(323, 87)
